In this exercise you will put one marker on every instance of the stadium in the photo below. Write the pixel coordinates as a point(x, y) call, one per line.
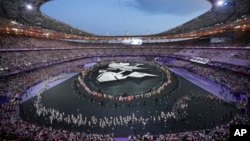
point(58, 82)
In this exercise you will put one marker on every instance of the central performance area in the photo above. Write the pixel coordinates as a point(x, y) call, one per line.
point(125, 79)
point(163, 102)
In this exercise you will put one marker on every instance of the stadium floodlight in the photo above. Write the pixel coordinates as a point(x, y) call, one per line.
point(29, 6)
point(220, 2)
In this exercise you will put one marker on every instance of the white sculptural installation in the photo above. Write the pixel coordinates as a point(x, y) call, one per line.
point(108, 75)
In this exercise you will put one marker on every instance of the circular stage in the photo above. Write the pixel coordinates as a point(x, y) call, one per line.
point(141, 79)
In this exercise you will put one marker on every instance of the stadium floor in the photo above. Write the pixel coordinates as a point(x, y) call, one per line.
point(203, 111)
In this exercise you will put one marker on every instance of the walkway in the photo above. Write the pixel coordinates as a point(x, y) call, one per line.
point(33, 91)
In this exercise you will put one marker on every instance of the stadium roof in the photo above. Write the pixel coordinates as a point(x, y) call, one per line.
point(17, 11)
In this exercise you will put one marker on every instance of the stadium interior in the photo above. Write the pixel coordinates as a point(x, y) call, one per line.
point(48, 72)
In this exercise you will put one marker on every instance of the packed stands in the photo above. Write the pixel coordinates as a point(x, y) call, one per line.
point(26, 61)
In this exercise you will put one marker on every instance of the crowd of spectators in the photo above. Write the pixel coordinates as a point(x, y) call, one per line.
point(15, 85)
point(237, 82)
point(220, 133)
point(14, 128)
point(234, 57)
point(243, 55)
point(20, 53)
point(238, 69)
point(32, 53)
point(48, 58)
